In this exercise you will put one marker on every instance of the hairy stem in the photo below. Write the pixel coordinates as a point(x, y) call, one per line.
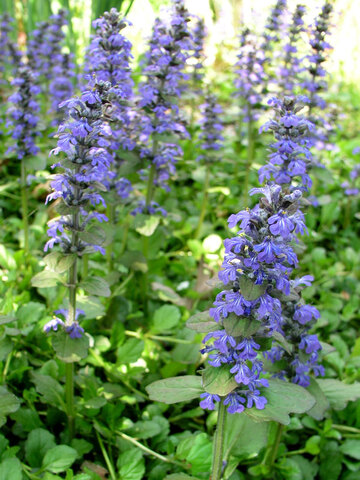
point(218, 446)
point(110, 211)
point(250, 153)
point(204, 202)
point(271, 453)
point(24, 209)
point(69, 398)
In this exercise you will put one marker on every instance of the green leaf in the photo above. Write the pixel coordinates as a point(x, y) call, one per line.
point(46, 279)
point(351, 447)
point(166, 318)
point(196, 450)
point(283, 398)
point(249, 290)
point(130, 351)
point(218, 380)
point(339, 393)
point(202, 323)
point(321, 402)
point(330, 461)
point(146, 224)
point(93, 236)
point(237, 440)
point(10, 468)
point(131, 465)
point(179, 476)
point(167, 294)
point(308, 469)
point(8, 404)
point(282, 341)
point(145, 429)
point(37, 444)
point(68, 349)
point(29, 313)
point(59, 262)
point(7, 258)
point(96, 286)
point(59, 459)
point(49, 388)
point(240, 326)
point(175, 389)
point(4, 319)
point(312, 445)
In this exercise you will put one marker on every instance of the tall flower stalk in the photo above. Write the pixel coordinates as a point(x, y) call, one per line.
point(211, 138)
point(249, 78)
point(259, 300)
point(84, 139)
point(22, 120)
point(109, 57)
point(289, 71)
point(170, 46)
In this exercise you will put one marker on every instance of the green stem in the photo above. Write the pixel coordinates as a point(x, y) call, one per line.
point(347, 213)
point(110, 211)
point(271, 453)
point(125, 235)
point(150, 190)
point(109, 465)
point(218, 447)
point(149, 451)
point(85, 265)
point(204, 202)
point(345, 428)
point(250, 154)
point(71, 319)
point(24, 209)
point(69, 397)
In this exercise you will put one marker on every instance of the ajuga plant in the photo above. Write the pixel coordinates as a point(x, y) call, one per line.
point(315, 84)
point(288, 164)
point(22, 122)
point(84, 138)
point(10, 55)
point(290, 68)
point(198, 36)
point(249, 78)
point(164, 69)
point(269, 41)
point(109, 56)
point(46, 58)
point(252, 314)
point(351, 189)
point(211, 142)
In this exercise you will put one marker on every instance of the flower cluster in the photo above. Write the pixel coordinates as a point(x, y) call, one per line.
point(319, 46)
point(257, 267)
point(45, 45)
point(259, 297)
point(211, 128)
point(23, 114)
point(9, 51)
point(290, 68)
point(298, 319)
point(72, 328)
point(198, 35)
point(250, 75)
point(61, 86)
point(273, 25)
point(350, 188)
point(291, 157)
point(46, 58)
point(164, 68)
point(84, 138)
point(109, 58)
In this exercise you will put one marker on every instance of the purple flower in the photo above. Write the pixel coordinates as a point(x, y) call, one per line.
point(208, 402)
point(305, 313)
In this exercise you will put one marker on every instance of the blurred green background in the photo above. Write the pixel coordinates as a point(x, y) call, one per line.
point(224, 19)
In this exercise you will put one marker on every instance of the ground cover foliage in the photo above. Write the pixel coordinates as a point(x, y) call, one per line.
point(157, 320)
